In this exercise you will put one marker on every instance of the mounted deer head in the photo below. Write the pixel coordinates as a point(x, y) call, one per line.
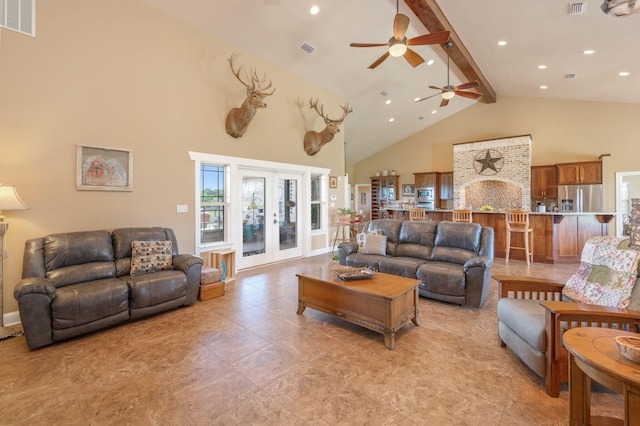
point(314, 141)
point(238, 119)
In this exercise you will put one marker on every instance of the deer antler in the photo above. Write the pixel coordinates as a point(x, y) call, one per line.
point(346, 108)
point(262, 91)
point(237, 73)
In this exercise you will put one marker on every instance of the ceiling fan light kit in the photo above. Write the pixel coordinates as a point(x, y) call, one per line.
point(397, 48)
point(398, 44)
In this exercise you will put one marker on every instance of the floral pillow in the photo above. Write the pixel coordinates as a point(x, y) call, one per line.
point(607, 273)
point(150, 256)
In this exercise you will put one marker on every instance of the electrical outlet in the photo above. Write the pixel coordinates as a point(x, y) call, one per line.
point(182, 208)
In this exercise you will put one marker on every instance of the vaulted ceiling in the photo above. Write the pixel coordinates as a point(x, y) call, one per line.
point(537, 33)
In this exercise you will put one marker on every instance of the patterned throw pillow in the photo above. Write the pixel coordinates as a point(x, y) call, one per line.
point(150, 256)
point(607, 273)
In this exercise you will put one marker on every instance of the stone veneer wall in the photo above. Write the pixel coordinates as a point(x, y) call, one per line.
point(516, 170)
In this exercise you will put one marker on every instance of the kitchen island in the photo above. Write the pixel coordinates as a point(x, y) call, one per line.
point(557, 237)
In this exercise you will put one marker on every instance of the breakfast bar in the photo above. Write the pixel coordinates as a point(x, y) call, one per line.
point(558, 237)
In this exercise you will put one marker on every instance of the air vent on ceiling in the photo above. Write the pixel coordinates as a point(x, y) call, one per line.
point(308, 48)
point(570, 76)
point(383, 93)
point(577, 8)
point(18, 15)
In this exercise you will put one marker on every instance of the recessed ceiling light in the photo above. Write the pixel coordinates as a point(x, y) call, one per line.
point(502, 43)
point(391, 120)
point(589, 52)
point(544, 87)
point(388, 101)
point(623, 73)
point(434, 111)
point(416, 99)
point(314, 10)
point(430, 62)
point(542, 67)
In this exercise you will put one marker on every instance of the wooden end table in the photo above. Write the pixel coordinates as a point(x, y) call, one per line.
point(593, 355)
point(383, 303)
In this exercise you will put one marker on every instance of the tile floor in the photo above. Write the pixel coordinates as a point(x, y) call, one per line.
point(247, 358)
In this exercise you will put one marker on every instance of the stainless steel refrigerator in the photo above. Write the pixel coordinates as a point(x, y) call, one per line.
point(580, 198)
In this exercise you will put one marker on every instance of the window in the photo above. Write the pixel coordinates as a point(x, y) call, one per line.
point(316, 202)
point(213, 207)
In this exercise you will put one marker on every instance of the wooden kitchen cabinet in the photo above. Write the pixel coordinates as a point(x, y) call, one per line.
point(425, 180)
point(383, 189)
point(446, 186)
point(544, 182)
point(586, 172)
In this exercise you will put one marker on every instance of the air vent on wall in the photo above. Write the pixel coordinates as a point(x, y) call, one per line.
point(577, 8)
point(570, 76)
point(18, 15)
point(308, 48)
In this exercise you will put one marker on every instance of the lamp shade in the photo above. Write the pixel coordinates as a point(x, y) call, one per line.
point(10, 200)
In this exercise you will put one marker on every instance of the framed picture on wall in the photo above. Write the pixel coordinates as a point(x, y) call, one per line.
point(104, 168)
point(333, 182)
point(408, 190)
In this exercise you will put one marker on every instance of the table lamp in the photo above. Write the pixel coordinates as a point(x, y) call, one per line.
point(9, 200)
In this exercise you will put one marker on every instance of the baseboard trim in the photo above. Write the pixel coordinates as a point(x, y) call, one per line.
point(12, 318)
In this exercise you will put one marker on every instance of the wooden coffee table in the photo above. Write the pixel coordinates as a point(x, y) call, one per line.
point(383, 303)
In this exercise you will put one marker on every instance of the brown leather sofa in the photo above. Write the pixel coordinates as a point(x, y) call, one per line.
point(452, 259)
point(79, 282)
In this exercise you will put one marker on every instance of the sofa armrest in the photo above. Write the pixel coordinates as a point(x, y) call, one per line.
point(183, 262)
point(345, 249)
point(478, 261)
point(34, 285)
point(521, 287)
point(34, 296)
point(192, 267)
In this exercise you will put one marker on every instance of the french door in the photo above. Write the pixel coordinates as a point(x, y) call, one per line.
point(271, 217)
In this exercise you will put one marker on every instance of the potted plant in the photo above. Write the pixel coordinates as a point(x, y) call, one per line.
point(344, 217)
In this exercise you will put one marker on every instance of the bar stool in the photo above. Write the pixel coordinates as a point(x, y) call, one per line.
point(518, 221)
point(416, 214)
point(462, 216)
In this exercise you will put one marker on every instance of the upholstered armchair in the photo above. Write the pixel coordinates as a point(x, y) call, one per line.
point(533, 313)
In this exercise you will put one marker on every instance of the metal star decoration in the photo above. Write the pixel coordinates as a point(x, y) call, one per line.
point(488, 162)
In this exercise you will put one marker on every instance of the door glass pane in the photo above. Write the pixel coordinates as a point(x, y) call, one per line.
point(288, 213)
point(253, 208)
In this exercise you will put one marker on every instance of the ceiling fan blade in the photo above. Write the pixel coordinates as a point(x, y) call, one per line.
point(436, 88)
point(467, 85)
point(468, 95)
point(428, 97)
point(444, 102)
point(368, 44)
point(413, 58)
point(434, 38)
point(379, 61)
point(400, 25)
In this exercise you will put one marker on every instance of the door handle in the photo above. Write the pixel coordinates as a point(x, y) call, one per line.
point(275, 220)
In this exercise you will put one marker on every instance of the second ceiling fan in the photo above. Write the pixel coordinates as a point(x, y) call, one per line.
point(399, 42)
point(448, 92)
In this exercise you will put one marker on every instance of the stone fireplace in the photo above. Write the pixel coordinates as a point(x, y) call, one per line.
point(494, 173)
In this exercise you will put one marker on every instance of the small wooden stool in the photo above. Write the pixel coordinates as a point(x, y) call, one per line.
point(518, 221)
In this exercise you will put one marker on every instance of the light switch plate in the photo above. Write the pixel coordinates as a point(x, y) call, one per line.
point(182, 208)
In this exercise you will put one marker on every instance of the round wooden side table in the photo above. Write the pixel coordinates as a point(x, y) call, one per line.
point(593, 355)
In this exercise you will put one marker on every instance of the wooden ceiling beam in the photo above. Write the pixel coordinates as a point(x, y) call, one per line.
point(430, 14)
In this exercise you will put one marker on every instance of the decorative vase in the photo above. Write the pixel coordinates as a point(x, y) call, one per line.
point(223, 265)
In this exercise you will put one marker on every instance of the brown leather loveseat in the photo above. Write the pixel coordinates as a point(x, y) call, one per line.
point(79, 282)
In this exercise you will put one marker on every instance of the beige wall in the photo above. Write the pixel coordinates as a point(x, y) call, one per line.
point(119, 74)
point(561, 130)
